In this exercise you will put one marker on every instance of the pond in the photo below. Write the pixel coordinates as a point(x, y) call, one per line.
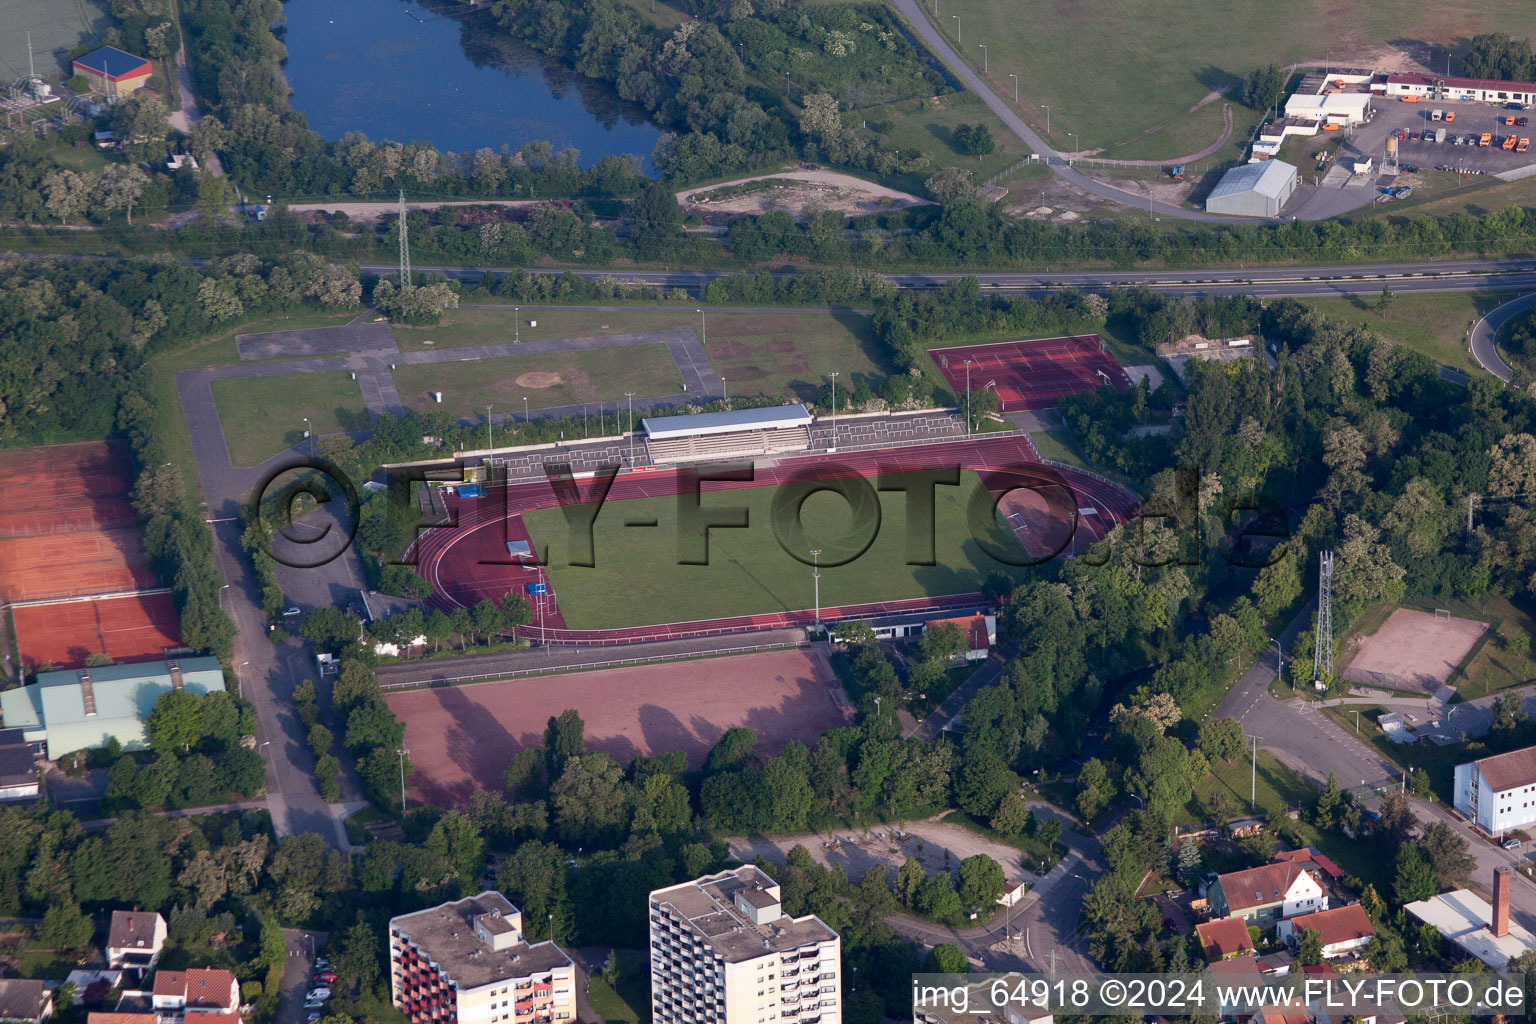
point(398, 70)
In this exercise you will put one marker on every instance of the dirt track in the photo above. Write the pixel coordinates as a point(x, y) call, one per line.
point(461, 737)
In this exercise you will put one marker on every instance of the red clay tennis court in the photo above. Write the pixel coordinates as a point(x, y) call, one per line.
point(66, 526)
point(137, 627)
point(1032, 374)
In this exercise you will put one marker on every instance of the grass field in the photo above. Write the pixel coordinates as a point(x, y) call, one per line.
point(570, 378)
point(55, 27)
point(1111, 69)
point(170, 425)
point(637, 579)
point(631, 1002)
point(1432, 323)
point(1495, 667)
point(772, 352)
point(1056, 445)
point(928, 126)
point(261, 416)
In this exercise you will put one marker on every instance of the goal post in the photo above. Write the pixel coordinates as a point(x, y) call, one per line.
point(1442, 613)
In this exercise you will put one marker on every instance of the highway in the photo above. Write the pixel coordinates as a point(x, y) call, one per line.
point(1260, 282)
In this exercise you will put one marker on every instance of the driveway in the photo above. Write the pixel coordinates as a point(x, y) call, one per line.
point(300, 946)
point(1487, 330)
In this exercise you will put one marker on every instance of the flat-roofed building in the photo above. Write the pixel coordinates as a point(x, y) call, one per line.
point(1253, 190)
point(724, 952)
point(466, 962)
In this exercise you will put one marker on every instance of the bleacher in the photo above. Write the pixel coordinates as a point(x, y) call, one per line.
point(734, 445)
point(887, 430)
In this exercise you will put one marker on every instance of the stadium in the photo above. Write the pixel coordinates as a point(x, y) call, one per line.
point(672, 551)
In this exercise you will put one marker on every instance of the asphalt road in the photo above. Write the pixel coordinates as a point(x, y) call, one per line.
point(1486, 333)
point(940, 47)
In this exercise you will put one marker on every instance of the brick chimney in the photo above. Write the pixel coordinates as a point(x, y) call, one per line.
point(1500, 923)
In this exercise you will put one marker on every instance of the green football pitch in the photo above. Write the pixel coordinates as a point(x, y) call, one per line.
point(636, 577)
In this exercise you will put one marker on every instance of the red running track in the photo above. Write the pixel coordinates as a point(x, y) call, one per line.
point(1032, 374)
point(467, 562)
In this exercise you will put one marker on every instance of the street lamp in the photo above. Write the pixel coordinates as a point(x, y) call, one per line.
point(401, 751)
point(517, 325)
point(631, 396)
point(703, 329)
point(1015, 89)
point(1047, 107)
point(725, 399)
point(525, 408)
point(958, 37)
point(1279, 658)
point(488, 445)
point(833, 446)
point(309, 436)
point(983, 57)
point(816, 581)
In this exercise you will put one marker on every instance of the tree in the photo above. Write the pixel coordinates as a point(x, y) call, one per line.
point(588, 802)
point(974, 139)
point(373, 725)
point(1012, 816)
point(331, 629)
point(564, 738)
point(1221, 739)
point(1415, 879)
point(1309, 947)
point(65, 929)
point(1263, 87)
point(1508, 713)
point(981, 881)
point(1094, 789)
point(941, 643)
point(174, 723)
point(949, 185)
point(947, 958)
point(1325, 813)
point(68, 193)
point(320, 739)
point(457, 840)
point(819, 119)
point(1277, 584)
point(655, 221)
point(909, 882)
point(1397, 818)
point(120, 187)
point(355, 684)
point(1447, 854)
point(1190, 862)
point(1496, 55)
point(938, 898)
point(214, 198)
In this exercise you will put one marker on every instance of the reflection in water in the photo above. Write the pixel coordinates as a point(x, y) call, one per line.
point(393, 69)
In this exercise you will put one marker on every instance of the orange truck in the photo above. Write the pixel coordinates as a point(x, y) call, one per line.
point(1410, 99)
point(1486, 140)
point(1509, 120)
point(1509, 143)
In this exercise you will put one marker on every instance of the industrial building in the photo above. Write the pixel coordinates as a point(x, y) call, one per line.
point(1253, 190)
point(466, 962)
point(1477, 90)
point(113, 72)
point(1473, 927)
point(81, 709)
point(724, 952)
point(1498, 794)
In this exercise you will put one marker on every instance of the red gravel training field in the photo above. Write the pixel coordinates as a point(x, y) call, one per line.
point(461, 737)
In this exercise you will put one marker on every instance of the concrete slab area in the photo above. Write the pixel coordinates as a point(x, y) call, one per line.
point(361, 335)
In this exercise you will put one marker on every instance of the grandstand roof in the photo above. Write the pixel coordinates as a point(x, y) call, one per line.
point(778, 417)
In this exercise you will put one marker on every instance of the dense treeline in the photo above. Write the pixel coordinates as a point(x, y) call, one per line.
point(198, 756)
point(1496, 55)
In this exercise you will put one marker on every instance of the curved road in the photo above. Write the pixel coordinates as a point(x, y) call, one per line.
point(1486, 333)
point(961, 70)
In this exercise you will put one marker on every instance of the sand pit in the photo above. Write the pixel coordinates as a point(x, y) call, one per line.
point(461, 737)
point(540, 379)
point(796, 192)
point(1413, 650)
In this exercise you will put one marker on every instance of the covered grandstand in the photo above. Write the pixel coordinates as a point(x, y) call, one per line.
point(739, 432)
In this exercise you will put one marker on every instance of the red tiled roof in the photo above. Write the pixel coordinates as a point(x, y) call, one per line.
point(120, 1018)
point(1507, 771)
point(972, 627)
point(1224, 937)
point(1310, 855)
point(1260, 886)
point(1340, 924)
point(200, 987)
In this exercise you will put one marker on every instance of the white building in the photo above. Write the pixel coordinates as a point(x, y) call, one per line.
point(724, 952)
point(1477, 90)
point(1253, 190)
point(135, 939)
point(1475, 927)
point(466, 962)
point(1268, 892)
point(1498, 793)
point(1330, 108)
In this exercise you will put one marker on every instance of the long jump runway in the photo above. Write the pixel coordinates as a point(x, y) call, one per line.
point(467, 562)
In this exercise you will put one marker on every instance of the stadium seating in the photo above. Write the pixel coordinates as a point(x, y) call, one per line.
point(733, 445)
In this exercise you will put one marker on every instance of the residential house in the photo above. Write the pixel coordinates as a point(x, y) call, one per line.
point(19, 779)
point(1343, 930)
point(1224, 938)
point(201, 996)
point(1267, 893)
point(135, 939)
point(25, 999)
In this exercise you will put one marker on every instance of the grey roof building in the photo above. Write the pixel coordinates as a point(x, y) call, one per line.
point(79, 709)
point(23, 999)
point(1253, 190)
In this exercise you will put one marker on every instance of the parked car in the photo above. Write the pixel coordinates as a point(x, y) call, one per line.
point(322, 962)
point(317, 995)
point(1521, 122)
point(1514, 106)
point(324, 974)
point(314, 1015)
point(1428, 136)
point(1511, 844)
point(1404, 191)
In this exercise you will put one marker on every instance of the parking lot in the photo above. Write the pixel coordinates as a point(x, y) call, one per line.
point(1471, 120)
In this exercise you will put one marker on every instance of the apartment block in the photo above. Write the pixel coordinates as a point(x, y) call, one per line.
point(466, 962)
point(724, 952)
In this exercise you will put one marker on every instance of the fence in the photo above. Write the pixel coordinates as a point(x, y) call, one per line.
point(586, 666)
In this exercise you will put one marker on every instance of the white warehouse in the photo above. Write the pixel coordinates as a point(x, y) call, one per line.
point(1498, 793)
point(1330, 108)
point(1253, 190)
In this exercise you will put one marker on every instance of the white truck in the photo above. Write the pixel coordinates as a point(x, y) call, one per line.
point(1439, 134)
point(1437, 115)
